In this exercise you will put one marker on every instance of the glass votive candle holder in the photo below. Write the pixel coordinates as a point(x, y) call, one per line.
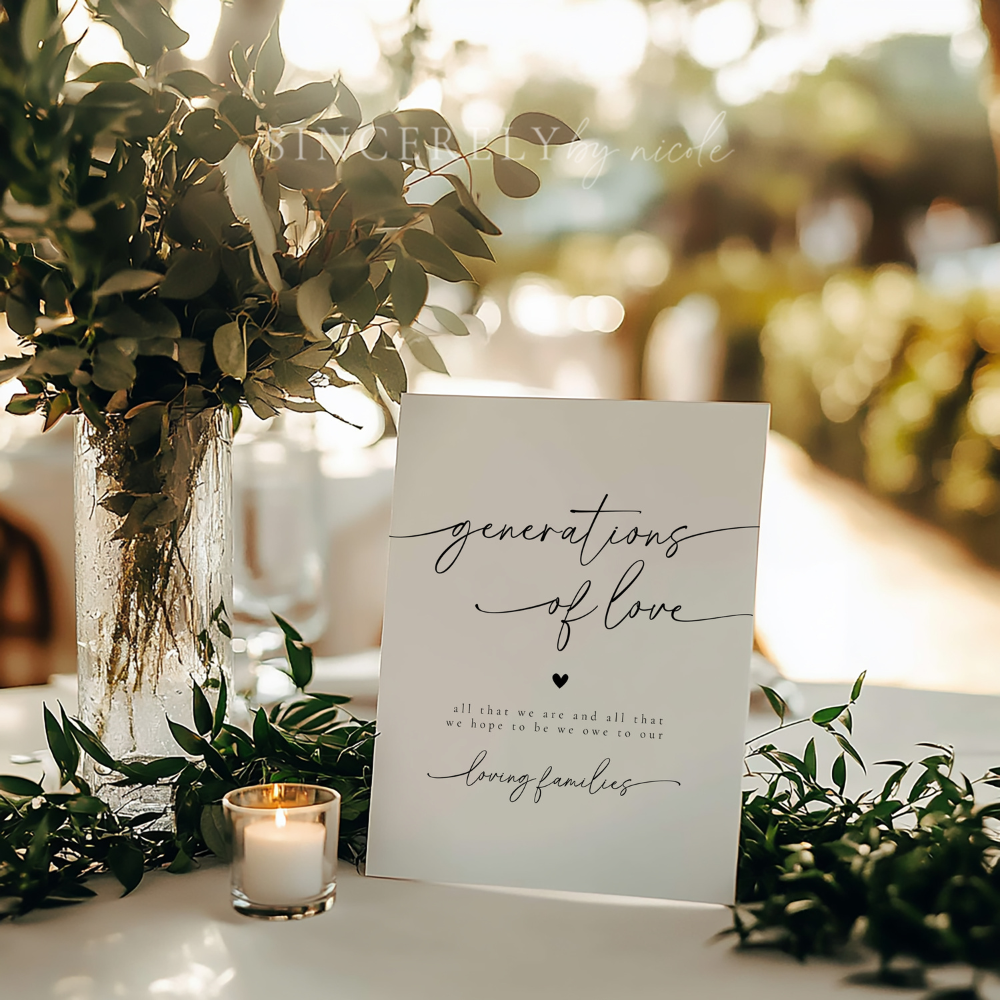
point(285, 839)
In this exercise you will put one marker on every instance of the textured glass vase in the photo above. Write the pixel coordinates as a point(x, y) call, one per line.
point(151, 606)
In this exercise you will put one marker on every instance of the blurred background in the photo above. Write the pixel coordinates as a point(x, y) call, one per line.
point(784, 200)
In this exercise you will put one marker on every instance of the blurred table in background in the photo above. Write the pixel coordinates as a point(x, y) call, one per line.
point(847, 583)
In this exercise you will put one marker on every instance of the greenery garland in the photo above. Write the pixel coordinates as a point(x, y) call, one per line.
point(52, 842)
point(910, 870)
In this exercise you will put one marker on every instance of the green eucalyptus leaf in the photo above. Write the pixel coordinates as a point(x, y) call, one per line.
point(15, 785)
point(435, 257)
point(339, 125)
point(423, 349)
point(215, 831)
point(21, 403)
point(63, 750)
point(292, 379)
point(207, 136)
point(149, 319)
point(431, 126)
point(261, 732)
point(114, 365)
point(108, 71)
point(201, 710)
point(222, 705)
point(15, 367)
point(313, 302)
point(91, 745)
point(388, 367)
point(348, 272)
point(37, 18)
point(262, 404)
point(50, 70)
point(776, 702)
point(126, 862)
point(73, 758)
point(128, 280)
point(392, 139)
point(305, 406)
point(456, 231)
point(356, 361)
point(300, 658)
point(346, 102)
point(467, 206)
point(247, 202)
point(62, 360)
point(305, 164)
point(375, 185)
point(190, 355)
point(191, 273)
point(299, 104)
point(858, 684)
point(230, 349)
point(514, 179)
point(846, 745)
point(449, 321)
point(809, 758)
point(240, 113)
point(409, 289)
point(239, 64)
point(270, 65)
point(56, 295)
point(203, 214)
point(541, 129)
point(191, 83)
point(181, 863)
point(117, 107)
point(146, 29)
point(191, 743)
point(21, 314)
point(145, 422)
point(827, 715)
point(839, 772)
point(158, 769)
point(361, 306)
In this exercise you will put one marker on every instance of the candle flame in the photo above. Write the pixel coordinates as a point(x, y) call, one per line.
point(279, 818)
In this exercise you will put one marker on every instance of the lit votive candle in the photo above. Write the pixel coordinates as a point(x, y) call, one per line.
point(284, 849)
point(282, 861)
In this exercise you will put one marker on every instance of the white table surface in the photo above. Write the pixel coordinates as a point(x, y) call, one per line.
point(176, 936)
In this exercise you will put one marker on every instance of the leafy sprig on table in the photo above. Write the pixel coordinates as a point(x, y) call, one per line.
point(52, 842)
point(909, 869)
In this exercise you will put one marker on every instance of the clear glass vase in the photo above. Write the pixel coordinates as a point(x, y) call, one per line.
point(280, 542)
point(152, 598)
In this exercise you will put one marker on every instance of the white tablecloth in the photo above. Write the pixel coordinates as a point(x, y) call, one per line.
point(176, 936)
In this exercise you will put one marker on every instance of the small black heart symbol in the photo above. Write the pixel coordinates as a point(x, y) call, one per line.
point(559, 681)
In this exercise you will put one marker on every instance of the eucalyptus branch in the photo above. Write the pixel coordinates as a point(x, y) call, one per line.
point(466, 158)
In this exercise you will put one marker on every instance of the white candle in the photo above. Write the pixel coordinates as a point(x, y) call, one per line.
point(283, 862)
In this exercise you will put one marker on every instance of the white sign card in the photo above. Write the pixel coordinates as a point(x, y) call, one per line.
point(566, 647)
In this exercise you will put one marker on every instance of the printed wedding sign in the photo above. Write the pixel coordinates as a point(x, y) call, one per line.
point(567, 640)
